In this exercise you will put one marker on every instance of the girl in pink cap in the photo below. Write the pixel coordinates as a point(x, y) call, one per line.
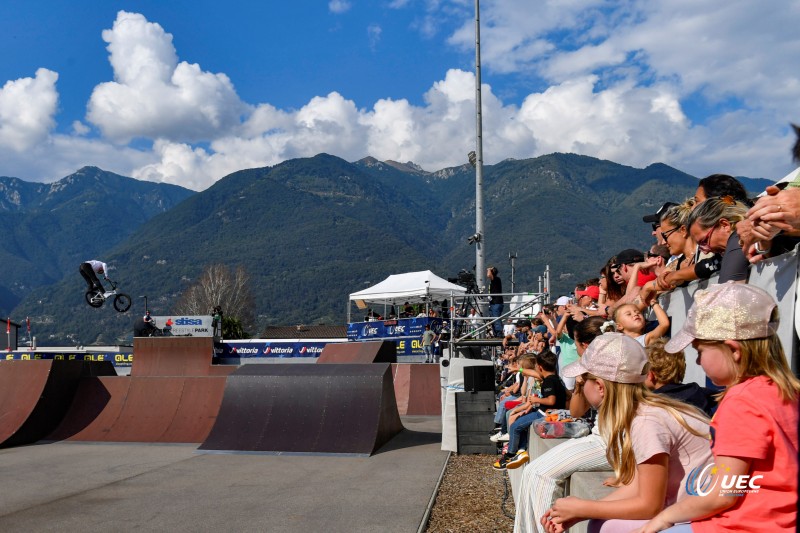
point(752, 483)
point(654, 442)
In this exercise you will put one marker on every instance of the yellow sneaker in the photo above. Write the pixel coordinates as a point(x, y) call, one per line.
point(518, 460)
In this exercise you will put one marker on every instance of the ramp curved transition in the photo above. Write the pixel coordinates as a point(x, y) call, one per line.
point(340, 409)
point(35, 395)
point(359, 352)
point(145, 409)
point(418, 389)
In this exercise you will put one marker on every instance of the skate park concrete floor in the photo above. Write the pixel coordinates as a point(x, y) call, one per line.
point(66, 486)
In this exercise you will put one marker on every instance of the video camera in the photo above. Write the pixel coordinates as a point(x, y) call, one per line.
point(466, 279)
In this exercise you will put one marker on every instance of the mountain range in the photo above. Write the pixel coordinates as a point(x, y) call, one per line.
point(310, 231)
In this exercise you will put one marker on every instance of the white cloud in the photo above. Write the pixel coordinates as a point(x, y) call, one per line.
point(60, 155)
point(27, 109)
point(614, 80)
point(339, 6)
point(722, 48)
point(623, 123)
point(79, 128)
point(374, 35)
point(154, 96)
point(571, 117)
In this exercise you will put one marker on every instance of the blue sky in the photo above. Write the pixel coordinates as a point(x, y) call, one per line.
point(187, 92)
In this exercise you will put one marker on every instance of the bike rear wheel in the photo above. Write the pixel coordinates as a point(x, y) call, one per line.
point(122, 302)
point(94, 298)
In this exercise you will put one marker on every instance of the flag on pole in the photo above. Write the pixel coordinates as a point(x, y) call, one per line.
point(8, 326)
point(28, 322)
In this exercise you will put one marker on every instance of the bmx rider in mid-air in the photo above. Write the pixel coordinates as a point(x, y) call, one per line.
point(89, 271)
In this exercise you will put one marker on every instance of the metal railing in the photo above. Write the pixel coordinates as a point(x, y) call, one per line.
point(514, 310)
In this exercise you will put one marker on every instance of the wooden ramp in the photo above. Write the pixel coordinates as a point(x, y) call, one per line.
point(35, 395)
point(320, 409)
point(359, 352)
point(145, 409)
point(175, 356)
point(418, 389)
point(172, 395)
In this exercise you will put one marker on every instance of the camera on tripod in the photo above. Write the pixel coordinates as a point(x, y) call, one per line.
point(466, 279)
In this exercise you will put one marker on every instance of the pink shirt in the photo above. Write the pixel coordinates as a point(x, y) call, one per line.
point(656, 431)
point(753, 422)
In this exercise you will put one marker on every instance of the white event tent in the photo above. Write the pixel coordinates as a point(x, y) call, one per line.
point(413, 287)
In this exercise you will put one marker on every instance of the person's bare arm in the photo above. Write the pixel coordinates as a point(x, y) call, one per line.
point(561, 325)
point(663, 324)
point(693, 508)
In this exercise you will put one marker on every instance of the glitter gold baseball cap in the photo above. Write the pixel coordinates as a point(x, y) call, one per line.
point(728, 311)
point(613, 357)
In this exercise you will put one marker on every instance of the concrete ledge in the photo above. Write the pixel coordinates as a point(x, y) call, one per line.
point(589, 485)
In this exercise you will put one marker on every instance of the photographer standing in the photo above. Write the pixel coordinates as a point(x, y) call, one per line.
point(496, 303)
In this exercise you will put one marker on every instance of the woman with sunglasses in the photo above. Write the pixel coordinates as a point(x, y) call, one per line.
point(712, 224)
point(612, 286)
point(692, 263)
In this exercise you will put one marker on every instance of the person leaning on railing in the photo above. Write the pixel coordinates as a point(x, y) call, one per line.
point(775, 217)
point(776, 222)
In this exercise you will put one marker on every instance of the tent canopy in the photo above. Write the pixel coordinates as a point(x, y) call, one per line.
point(414, 287)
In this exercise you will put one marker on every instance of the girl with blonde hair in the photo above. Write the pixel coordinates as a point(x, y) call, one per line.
point(654, 442)
point(752, 484)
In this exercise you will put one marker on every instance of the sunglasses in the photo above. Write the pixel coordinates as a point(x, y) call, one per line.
point(665, 234)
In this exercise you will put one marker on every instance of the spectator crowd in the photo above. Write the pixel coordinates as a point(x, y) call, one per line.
point(683, 457)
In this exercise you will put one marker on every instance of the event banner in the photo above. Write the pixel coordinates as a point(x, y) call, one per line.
point(280, 349)
point(387, 329)
point(186, 326)
point(285, 350)
point(118, 358)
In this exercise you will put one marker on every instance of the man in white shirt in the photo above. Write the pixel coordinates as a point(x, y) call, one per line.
point(89, 271)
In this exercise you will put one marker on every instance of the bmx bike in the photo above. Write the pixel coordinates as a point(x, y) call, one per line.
point(96, 298)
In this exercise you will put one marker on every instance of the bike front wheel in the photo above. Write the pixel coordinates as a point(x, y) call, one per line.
point(95, 298)
point(122, 302)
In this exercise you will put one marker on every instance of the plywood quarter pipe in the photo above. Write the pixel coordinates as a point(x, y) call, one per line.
point(175, 356)
point(359, 352)
point(35, 395)
point(144, 409)
point(286, 408)
point(418, 389)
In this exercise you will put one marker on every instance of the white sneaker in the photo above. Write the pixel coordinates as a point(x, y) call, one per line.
point(496, 436)
point(503, 438)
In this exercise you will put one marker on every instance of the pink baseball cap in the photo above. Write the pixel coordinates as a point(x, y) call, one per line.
point(613, 357)
point(728, 311)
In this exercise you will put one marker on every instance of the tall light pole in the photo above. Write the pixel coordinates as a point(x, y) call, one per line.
point(512, 256)
point(480, 262)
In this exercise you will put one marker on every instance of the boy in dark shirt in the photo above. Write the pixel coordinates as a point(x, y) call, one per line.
point(553, 395)
point(665, 376)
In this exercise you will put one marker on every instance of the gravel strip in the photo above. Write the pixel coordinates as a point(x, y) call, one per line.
point(470, 498)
